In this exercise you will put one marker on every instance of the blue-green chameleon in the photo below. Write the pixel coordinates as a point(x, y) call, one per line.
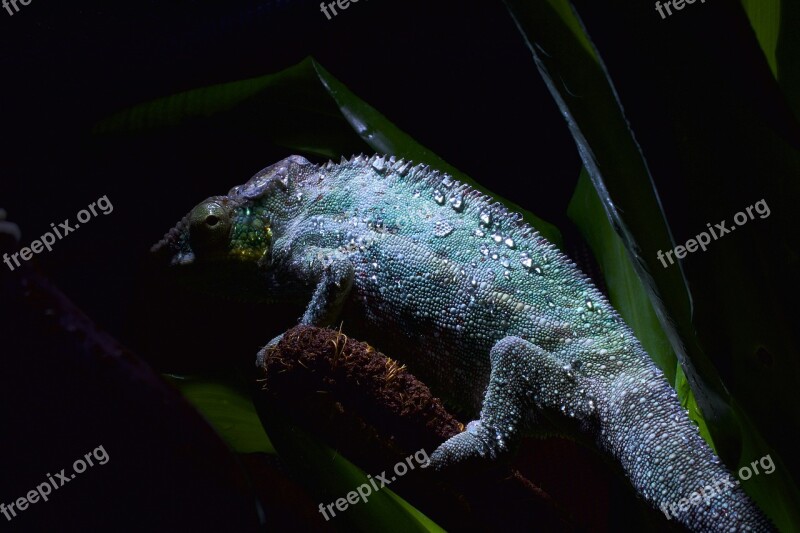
point(493, 317)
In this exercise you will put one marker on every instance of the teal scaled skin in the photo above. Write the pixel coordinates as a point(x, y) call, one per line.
point(489, 314)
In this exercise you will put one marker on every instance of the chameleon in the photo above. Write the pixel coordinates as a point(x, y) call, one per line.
point(494, 318)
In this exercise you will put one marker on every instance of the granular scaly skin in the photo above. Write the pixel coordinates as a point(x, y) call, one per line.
point(488, 313)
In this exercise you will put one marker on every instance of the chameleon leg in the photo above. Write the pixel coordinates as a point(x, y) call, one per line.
point(332, 289)
point(523, 379)
point(331, 292)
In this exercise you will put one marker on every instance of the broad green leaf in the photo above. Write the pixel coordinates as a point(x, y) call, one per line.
point(330, 476)
point(775, 25)
point(303, 108)
point(740, 305)
point(232, 414)
point(229, 412)
point(765, 16)
point(627, 293)
point(622, 179)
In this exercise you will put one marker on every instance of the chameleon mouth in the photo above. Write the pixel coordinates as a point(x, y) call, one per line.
point(168, 249)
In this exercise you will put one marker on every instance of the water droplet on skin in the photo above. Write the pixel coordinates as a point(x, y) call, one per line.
point(457, 203)
point(416, 194)
point(538, 270)
point(589, 305)
point(484, 250)
point(550, 302)
point(495, 256)
point(486, 218)
point(442, 228)
point(479, 233)
point(509, 242)
point(505, 262)
point(527, 262)
point(438, 197)
point(497, 238)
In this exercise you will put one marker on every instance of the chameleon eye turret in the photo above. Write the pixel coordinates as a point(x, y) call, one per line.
point(209, 228)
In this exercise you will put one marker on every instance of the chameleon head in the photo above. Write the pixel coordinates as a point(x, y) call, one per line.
point(219, 231)
point(226, 242)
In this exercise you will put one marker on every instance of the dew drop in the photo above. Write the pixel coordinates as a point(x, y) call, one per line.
point(438, 197)
point(442, 228)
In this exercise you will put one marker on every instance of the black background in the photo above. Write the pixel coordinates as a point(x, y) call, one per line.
point(455, 76)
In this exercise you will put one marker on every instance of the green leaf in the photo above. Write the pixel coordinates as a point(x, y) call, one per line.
point(620, 175)
point(740, 307)
point(229, 412)
point(765, 16)
point(775, 26)
point(627, 293)
point(303, 108)
point(330, 476)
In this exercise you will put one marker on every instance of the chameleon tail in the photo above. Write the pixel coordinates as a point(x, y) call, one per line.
point(644, 427)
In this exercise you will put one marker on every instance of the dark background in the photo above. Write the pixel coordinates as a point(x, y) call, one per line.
point(456, 77)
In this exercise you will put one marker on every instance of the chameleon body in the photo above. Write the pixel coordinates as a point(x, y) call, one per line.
point(492, 316)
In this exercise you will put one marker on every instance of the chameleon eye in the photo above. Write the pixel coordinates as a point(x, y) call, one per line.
point(209, 228)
